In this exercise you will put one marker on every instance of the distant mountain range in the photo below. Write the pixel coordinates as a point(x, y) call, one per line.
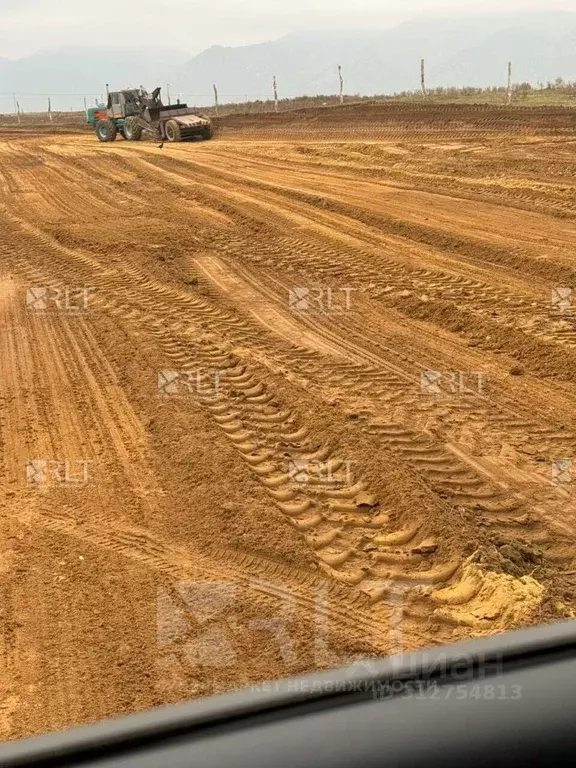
point(459, 51)
point(69, 73)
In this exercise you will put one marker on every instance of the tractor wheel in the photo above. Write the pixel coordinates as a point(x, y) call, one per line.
point(106, 130)
point(173, 131)
point(132, 129)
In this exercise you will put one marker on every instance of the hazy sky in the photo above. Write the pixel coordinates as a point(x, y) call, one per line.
point(191, 26)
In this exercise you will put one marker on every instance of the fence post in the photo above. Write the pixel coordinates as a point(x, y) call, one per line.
point(423, 76)
point(275, 86)
point(215, 98)
point(341, 84)
point(16, 107)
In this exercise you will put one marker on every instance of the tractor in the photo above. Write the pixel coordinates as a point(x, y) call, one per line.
point(135, 112)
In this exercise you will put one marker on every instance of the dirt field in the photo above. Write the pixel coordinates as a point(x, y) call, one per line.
point(278, 401)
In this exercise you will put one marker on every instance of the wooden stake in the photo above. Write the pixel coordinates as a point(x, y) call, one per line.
point(423, 77)
point(275, 86)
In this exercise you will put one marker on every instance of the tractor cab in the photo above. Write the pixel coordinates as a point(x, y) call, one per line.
point(122, 104)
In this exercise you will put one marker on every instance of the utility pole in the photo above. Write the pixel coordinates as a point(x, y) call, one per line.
point(509, 82)
point(85, 106)
point(168, 92)
point(215, 98)
point(49, 108)
point(275, 86)
point(341, 84)
point(423, 77)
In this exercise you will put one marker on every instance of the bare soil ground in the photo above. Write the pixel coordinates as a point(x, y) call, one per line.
point(270, 403)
